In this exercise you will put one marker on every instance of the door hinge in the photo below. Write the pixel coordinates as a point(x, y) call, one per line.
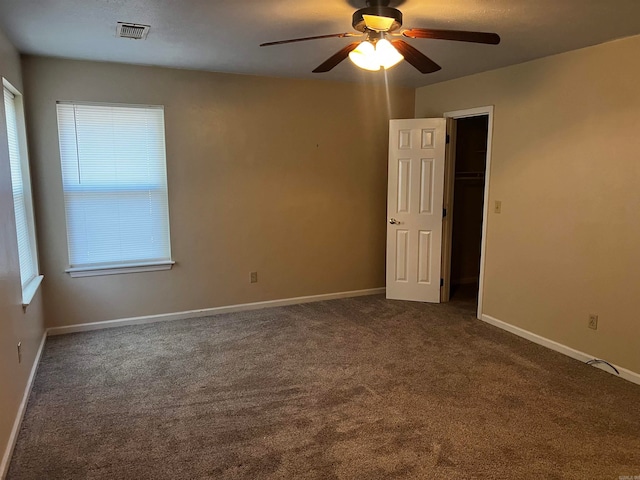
point(448, 138)
point(442, 282)
point(444, 212)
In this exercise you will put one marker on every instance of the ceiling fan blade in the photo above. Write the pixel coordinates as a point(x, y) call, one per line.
point(455, 35)
point(416, 58)
point(304, 39)
point(336, 58)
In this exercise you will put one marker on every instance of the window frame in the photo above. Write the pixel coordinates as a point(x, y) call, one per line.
point(30, 287)
point(124, 266)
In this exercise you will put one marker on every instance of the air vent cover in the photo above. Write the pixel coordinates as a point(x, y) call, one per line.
point(132, 30)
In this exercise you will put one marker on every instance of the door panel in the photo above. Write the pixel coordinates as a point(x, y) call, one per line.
point(404, 184)
point(426, 185)
point(414, 207)
point(424, 257)
point(402, 259)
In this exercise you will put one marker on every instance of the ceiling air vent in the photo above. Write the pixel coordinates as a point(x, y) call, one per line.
point(132, 30)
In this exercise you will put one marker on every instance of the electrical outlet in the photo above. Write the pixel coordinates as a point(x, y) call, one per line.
point(593, 321)
point(498, 207)
point(19, 352)
point(254, 277)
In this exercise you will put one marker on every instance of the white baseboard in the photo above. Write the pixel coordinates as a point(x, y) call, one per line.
point(205, 312)
point(558, 347)
point(6, 458)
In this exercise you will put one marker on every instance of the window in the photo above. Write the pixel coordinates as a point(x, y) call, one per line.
point(115, 188)
point(21, 188)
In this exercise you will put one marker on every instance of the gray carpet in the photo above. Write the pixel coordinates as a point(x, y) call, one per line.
point(361, 388)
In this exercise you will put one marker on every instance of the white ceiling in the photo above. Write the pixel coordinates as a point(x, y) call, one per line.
point(223, 36)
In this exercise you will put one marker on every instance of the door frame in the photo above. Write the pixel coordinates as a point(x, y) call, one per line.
point(466, 113)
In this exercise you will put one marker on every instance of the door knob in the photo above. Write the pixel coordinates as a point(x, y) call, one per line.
point(393, 221)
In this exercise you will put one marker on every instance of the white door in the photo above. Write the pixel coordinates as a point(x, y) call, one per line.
point(414, 208)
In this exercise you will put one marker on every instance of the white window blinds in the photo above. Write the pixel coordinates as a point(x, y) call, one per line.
point(115, 184)
point(21, 195)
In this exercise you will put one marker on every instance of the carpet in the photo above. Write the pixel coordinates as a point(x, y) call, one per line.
point(360, 388)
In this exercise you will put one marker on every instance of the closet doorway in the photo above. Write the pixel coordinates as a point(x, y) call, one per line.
point(466, 204)
point(468, 201)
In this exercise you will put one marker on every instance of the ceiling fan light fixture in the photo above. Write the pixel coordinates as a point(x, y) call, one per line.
point(387, 54)
point(378, 23)
point(372, 58)
point(365, 57)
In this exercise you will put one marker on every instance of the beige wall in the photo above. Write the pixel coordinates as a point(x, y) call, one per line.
point(279, 176)
point(566, 166)
point(15, 325)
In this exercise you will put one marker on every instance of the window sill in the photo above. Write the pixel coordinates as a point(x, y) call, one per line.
point(29, 291)
point(77, 272)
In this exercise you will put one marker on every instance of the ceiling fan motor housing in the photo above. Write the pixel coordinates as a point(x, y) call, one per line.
point(380, 11)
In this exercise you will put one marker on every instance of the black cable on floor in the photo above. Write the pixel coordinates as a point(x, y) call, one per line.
point(597, 360)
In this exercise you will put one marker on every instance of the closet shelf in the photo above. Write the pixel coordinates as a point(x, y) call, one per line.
point(469, 176)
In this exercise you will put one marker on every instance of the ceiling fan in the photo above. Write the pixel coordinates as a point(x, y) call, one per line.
point(378, 21)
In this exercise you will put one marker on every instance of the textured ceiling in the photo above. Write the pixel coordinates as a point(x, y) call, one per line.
point(224, 36)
